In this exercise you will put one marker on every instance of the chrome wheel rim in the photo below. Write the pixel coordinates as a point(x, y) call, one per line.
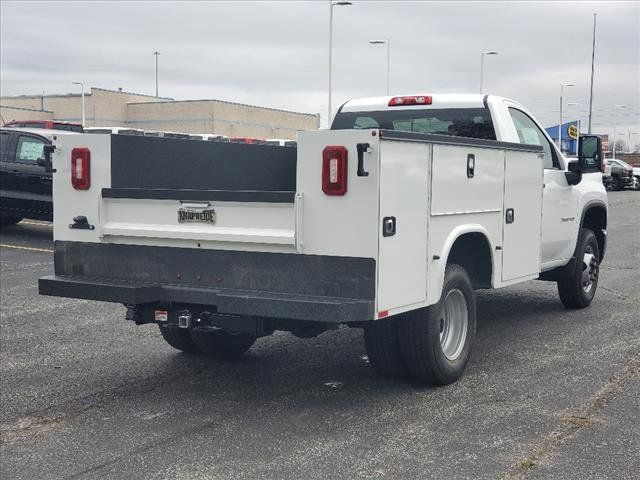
point(454, 323)
point(589, 269)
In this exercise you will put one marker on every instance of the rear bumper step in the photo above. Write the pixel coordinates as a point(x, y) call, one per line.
point(227, 301)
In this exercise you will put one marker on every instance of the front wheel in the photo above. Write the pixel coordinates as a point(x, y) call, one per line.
point(578, 284)
point(436, 342)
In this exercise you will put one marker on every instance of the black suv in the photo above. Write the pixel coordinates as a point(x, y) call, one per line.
point(25, 185)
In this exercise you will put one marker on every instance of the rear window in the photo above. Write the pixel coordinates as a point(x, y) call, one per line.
point(460, 122)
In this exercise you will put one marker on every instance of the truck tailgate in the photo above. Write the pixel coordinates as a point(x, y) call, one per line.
point(145, 189)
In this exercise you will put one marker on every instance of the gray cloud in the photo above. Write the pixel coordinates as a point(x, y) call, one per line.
point(275, 53)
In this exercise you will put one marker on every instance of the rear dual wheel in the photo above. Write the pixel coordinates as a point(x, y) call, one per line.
point(431, 345)
point(215, 343)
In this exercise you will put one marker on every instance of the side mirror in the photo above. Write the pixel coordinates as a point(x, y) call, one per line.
point(574, 174)
point(590, 155)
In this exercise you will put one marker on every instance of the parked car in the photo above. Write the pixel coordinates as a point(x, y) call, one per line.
point(618, 175)
point(26, 183)
point(46, 124)
point(636, 175)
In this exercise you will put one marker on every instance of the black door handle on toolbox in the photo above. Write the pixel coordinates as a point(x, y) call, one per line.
point(362, 149)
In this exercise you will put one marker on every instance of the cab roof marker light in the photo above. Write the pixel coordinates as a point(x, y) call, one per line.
point(411, 100)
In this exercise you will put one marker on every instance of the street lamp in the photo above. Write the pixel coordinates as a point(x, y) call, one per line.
point(156, 55)
point(562, 85)
point(331, 5)
point(482, 54)
point(388, 43)
point(82, 85)
point(615, 125)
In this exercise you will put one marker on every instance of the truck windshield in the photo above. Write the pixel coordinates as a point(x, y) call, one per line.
point(461, 122)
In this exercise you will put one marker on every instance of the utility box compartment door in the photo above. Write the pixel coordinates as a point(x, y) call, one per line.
point(338, 225)
point(522, 215)
point(402, 264)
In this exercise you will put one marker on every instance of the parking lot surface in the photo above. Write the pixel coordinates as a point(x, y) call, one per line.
point(549, 393)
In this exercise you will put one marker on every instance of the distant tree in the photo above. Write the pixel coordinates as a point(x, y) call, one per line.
point(621, 145)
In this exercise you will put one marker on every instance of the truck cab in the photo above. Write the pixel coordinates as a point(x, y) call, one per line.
point(565, 200)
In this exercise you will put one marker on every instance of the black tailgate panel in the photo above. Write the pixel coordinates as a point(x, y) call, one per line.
point(180, 164)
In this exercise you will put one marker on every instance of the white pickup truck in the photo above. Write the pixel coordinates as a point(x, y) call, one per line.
point(388, 222)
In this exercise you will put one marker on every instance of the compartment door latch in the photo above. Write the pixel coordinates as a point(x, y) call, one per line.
point(362, 149)
point(388, 226)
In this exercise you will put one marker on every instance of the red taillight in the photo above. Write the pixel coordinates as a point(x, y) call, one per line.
point(412, 100)
point(81, 168)
point(334, 170)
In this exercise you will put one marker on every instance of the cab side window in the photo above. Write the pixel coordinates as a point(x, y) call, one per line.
point(30, 149)
point(530, 134)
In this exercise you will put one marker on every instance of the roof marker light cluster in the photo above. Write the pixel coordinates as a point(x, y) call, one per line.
point(410, 100)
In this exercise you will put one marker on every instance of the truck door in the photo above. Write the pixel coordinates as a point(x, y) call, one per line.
point(559, 207)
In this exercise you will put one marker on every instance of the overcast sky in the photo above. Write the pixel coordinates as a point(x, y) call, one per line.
point(276, 53)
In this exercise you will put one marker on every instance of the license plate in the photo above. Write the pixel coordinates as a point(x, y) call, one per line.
point(191, 215)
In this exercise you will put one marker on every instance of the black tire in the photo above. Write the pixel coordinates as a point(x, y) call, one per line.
point(222, 344)
point(8, 220)
point(615, 184)
point(383, 348)
point(571, 286)
point(179, 338)
point(419, 333)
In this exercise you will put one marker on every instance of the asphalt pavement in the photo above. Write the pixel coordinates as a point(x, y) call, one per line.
point(549, 392)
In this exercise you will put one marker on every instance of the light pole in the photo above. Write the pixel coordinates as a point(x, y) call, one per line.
point(82, 85)
point(388, 43)
point(562, 85)
point(615, 126)
point(482, 54)
point(593, 60)
point(331, 5)
point(156, 55)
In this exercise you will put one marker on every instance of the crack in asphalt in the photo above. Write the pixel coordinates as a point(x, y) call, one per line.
point(573, 423)
point(614, 292)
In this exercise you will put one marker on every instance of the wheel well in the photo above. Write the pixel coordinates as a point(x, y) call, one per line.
point(595, 219)
point(472, 252)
